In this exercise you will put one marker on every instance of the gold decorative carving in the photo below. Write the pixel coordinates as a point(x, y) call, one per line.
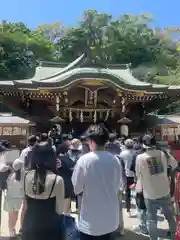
point(42, 91)
point(92, 82)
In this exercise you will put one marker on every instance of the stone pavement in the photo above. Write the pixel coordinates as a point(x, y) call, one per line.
point(129, 223)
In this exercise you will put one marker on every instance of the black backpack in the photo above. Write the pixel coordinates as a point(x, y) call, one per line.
point(3, 179)
point(28, 160)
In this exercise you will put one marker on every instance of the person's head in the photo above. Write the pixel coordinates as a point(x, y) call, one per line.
point(140, 140)
point(32, 140)
point(112, 137)
point(137, 146)
point(149, 141)
point(43, 156)
point(76, 144)
point(3, 149)
point(6, 144)
point(135, 140)
point(44, 137)
point(62, 149)
point(98, 134)
point(43, 159)
point(129, 144)
point(65, 138)
point(83, 139)
point(55, 127)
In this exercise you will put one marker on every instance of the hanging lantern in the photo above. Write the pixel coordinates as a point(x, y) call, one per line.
point(57, 103)
point(107, 115)
point(70, 116)
point(124, 130)
point(81, 116)
point(123, 102)
point(95, 116)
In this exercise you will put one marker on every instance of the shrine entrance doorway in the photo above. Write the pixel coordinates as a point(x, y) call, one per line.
point(78, 128)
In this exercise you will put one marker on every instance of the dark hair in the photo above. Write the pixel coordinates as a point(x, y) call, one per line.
point(149, 140)
point(43, 159)
point(6, 144)
point(99, 134)
point(32, 140)
point(55, 127)
point(140, 139)
point(62, 149)
point(83, 138)
point(65, 137)
point(112, 137)
point(44, 137)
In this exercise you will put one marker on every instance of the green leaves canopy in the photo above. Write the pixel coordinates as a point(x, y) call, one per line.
point(128, 39)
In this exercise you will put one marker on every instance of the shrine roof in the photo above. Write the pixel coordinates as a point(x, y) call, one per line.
point(163, 119)
point(59, 75)
point(8, 118)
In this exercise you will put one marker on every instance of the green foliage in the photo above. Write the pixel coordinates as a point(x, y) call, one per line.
point(153, 54)
point(19, 49)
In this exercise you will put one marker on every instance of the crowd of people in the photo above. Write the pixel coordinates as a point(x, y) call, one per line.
point(96, 171)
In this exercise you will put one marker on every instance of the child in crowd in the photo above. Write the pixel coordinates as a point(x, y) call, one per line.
point(13, 195)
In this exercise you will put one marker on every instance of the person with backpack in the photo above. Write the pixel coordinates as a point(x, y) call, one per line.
point(140, 203)
point(113, 145)
point(65, 170)
point(127, 157)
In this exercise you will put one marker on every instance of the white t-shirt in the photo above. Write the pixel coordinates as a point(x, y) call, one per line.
point(24, 153)
point(97, 176)
point(151, 171)
point(127, 156)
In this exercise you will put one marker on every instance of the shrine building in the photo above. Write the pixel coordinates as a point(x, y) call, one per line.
point(84, 92)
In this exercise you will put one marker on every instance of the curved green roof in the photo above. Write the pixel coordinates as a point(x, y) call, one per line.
point(52, 75)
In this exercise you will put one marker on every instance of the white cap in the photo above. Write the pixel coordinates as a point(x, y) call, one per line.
point(129, 143)
point(17, 164)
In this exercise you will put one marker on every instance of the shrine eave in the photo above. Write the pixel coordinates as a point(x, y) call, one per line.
point(52, 77)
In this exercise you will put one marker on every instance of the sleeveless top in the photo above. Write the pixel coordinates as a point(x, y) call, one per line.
point(40, 215)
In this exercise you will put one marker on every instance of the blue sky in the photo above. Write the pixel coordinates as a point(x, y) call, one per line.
point(34, 12)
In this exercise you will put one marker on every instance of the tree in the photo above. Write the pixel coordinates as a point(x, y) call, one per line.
point(51, 32)
point(20, 48)
point(154, 56)
point(88, 35)
point(128, 39)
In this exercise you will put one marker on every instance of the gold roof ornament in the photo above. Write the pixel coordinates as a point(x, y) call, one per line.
point(43, 91)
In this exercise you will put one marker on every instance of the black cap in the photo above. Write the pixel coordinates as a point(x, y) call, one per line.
point(112, 137)
point(149, 140)
point(98, 133)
